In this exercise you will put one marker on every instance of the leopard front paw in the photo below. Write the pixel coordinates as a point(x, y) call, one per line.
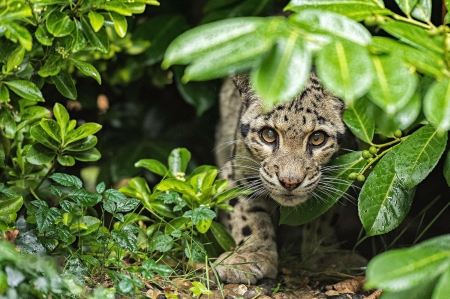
point(247, 267)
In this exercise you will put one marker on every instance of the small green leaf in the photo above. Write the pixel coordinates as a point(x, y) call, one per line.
point(271, 79)
point(96, 20)
point(126, 238)
point(153, 166)
point(52, 128)
point(87, 225)
point(436, 105)
point(43, 36)
point(65, 85)
point(15, 58)
point(202, 213)
point(118, 7)
point(393, 85)
point(91, 260)
point(406, 5)
point(41, 136)
point(59, 24)
point(176, 185)
point(4, 93)
point(87, 69)
point(222, 236)
point(401, 269)
point(65, 160)
point(151, 265)
point(120, 23)
point(199, 289)
point(180, 223)
point(418, 155)
point(82, 144)
point(25, 89)
point(67, 180)
point(161, 243)
point(346, 69)
point(62, 119)
point(80, 40)
point(82, 131)
point(178, 160)
point(339, 26)
point(51, 67)
point(99, 40)
point(39, 154)
point(10, 202)
point(358, 121)
point(84, 197)
point(21, 33)
point(384, 202)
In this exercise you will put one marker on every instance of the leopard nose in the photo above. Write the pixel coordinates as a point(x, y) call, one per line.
point(289, 184)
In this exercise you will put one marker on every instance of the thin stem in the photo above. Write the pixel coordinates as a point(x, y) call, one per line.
point(412, 21)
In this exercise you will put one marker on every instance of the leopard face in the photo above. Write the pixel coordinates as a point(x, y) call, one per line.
point(293, 141)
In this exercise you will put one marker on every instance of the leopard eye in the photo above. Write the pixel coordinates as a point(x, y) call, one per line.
point(269, 135)
point(317, 138)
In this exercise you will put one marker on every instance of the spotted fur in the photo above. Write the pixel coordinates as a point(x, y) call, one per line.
point(281, 172)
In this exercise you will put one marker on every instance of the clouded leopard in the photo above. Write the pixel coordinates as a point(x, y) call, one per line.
point(278, 155)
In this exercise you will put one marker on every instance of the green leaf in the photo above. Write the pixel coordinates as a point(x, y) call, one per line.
point(415, 36)
point(406, 5)
point(384, 202)
point(87, 69)
point(10, 202)
point(46, 217)
point(176, 185)
point(136, 7)
point(345, 69)
point(153, 166)
point(65, 85)
point(393, 85)
point(59, 24)
point(126, 238)
point(51, 67)
point(443, 286)
point(418, 155)
point(208, 38)
point(82, 131)
point(25, 89)
point(7, 123)
point(67, 180)
point(180, 223)
point(199, 289)
point(62, 119)
point(336, 177)
point(272, 78)
point(426, 62)
point(178, 160)
point(358, 121)
point(151, 265)
point(161, 243)
point(423, 10)
point(65, 160)
point(91, 260)
point(84, 197)
point(99, 40)
point(82, 144)
point(21, 33)
point(340, 27)
point(96, 20)
point(436, 105)
point(43, 36)
point(199, 214)
point(447, 168)
point(222, 236)
point(4, 93)
point(120, 23)
point(357, 10)
point(15, 58)
point(401, 269)
point(86, 226)
point(15, 10)
point(41, 136)
point(39, 154)
point(117, 6)
point(80, 40)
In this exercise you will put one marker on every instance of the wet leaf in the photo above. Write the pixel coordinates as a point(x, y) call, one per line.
point(126, 238)
point(25, 89)
point(384, 202)
point(418, 155)
point(87, 69)
point(59, 24)
point(345, 69)
point(358, 121)
point(67, 180)
point(65, 85)
point(120, 23)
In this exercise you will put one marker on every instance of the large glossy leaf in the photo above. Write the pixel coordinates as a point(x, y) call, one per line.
point(82, 131)
point(152, 165)
point(384, 202)
point(43, 36)
point(357, 10)
point(334, 184)
point(393, 85)
point(98, 39)
point(272, 79)
point(178, 160)
point(65, 85)
point(39, 154)
point(406, 5)
point(222, 236)
point(415, 36)
point(120, 23)
point(319, 21)
point(89, 155)
point(87, 69)
point(10, 202)
point(358, 121)
point(436, 105)
point(423, 10)
point(43, 137)
point(96, 20)
point(59, 24)
point(212, 37)
point(21, 33)
point(345, 69)
point(82, 144)
point(418, 155)
point(25, 89)
point(401, 269)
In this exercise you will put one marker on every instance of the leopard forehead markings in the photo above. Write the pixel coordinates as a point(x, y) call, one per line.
point(292, 158)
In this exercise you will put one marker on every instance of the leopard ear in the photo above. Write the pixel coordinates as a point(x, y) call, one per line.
point(242, 83)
